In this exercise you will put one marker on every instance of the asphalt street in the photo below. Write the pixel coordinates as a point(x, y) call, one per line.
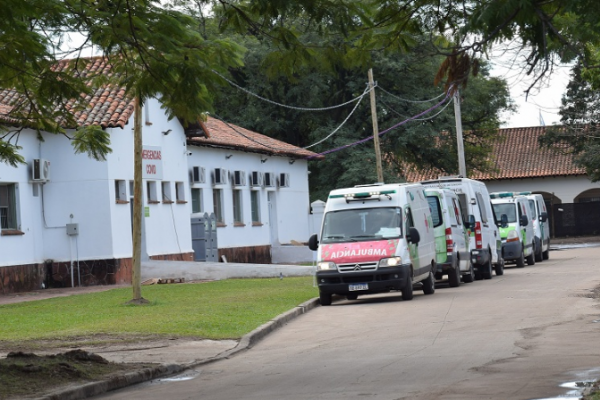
point(517, 336)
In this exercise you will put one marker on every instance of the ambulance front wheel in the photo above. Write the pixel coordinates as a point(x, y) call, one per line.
point(531, 257)
point(325, 298)
point(407, 290)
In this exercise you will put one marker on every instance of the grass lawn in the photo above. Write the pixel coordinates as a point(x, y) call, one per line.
point(225, 309)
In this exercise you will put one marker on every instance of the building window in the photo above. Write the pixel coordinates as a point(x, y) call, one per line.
point(166, 192)
point(237, 207)
point(255, 206)
point(8, 206)
point(121, 191)
point(180, 192)
point(151, 192)
point(197, 200)
point(218, 205)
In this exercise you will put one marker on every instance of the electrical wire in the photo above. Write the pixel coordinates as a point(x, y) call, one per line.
point(418, 119)
point(385, 131)
point(342, 124)
point(292, 107)
point(411, 101)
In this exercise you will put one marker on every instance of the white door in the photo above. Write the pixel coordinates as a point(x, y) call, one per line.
point(271, 199)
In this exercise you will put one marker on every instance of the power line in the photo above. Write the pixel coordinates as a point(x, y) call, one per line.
point(292, 107)
point(411, 101)
point(385, 131)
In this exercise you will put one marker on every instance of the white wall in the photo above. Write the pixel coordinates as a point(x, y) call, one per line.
point(565, 188)
point(291, 203)
point(85, 189)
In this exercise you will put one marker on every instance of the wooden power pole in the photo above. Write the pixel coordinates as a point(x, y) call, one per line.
point(462, 169)
point(375, 128)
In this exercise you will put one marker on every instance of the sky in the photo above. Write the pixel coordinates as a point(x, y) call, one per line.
point(542, 105)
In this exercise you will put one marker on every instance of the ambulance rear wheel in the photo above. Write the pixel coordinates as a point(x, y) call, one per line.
point(429, 284)
point(499, 268)
point(325, 298)
point(470, 277)
point(454, 275)
point(486, 271)
point(546, 254)
point(531, 257)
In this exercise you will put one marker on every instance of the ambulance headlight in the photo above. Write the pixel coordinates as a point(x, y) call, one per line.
point(326, 266)
point(512, 236)
point(390, 262)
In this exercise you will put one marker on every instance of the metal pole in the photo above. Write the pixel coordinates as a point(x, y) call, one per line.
point(375, 128)
point(462, 169)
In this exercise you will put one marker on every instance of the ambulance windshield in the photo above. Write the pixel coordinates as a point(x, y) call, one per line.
point(362, 224)
point(506, 208)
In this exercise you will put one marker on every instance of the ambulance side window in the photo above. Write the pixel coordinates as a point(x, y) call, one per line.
point(409, 219)
point(532, 209)
point(482, 210)
point(456, 211)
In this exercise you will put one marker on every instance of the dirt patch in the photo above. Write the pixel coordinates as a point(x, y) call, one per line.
point(27, 375)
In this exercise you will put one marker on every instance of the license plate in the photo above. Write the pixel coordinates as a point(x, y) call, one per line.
point(358, 286)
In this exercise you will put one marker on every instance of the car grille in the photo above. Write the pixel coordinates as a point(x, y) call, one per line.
point(357, 267)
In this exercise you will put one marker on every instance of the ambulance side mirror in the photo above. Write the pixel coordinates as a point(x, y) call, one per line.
point(524, 221)
point(503, 221)
point(413, 235)
point(470, 223)
point(544, 216)
point(313, 242)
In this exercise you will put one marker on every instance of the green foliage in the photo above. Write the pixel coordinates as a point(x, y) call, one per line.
point(409, 76)
point(92, 140)
point(214, 310)
point(9, 154)
point(580, 133)
point(153, 52)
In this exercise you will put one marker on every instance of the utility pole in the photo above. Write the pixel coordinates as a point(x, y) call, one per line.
point(137, 204)
point(462, 169)
point(375, 128)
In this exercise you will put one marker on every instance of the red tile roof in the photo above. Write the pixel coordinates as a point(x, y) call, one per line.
point(515, 155)
point(107, 106)
point(227, 135)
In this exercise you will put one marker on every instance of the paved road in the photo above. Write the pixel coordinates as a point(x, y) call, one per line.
point(517, 336)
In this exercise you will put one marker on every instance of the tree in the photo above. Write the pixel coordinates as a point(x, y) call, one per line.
point(408, 76)
point(580, 133)
point(152, 51)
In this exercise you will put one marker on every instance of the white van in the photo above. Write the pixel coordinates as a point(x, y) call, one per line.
point(375, 238)
point(541, 227)
point(451, 238)
point(516, 228)
point(485, 245)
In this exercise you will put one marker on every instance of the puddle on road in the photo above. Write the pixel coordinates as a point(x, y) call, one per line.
point(586, 379)
point(567, 246)
point(186, 376)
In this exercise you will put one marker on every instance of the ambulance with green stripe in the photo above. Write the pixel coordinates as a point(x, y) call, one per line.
point(374, 239)
point(516, 227)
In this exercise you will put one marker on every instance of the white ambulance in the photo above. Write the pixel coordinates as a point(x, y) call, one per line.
point(516, 228)
point(541, 226)
point(375, 238)
point(485, 245)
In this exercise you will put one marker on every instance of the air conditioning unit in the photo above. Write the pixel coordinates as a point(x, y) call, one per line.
point(269, 179)
point(40, 171)
point(239, 178)
point(219, 176)
point(284, 180)
point(198, 175)
point(256, 178)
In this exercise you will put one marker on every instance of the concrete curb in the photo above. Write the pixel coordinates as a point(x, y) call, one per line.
point(147, 374)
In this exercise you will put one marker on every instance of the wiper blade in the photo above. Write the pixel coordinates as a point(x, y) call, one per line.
point(366, 236)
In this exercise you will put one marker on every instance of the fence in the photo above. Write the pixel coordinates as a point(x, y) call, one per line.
point(575, 219)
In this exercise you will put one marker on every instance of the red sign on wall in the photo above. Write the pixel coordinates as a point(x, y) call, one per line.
point(152, 163)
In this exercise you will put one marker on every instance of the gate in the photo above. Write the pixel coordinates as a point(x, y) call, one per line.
point(575, 219)
point(204, 238)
